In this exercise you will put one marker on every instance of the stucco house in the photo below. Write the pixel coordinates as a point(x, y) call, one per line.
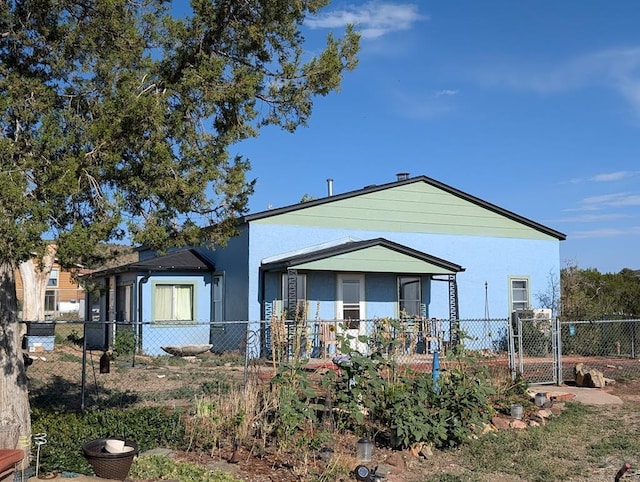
point(414, 247)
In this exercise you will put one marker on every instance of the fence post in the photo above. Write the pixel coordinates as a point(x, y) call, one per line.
point(557, 352)
point(633, 338)
point(512, 349)
point(83, 382)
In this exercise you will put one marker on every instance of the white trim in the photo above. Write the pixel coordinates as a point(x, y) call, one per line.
point(361, 329)
point(341, 278)
point(308, 249)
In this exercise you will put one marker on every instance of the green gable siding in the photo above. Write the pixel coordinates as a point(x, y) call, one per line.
point(416, 207)
point(375, 259)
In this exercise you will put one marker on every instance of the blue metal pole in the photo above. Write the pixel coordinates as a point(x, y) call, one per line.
point(435, 371)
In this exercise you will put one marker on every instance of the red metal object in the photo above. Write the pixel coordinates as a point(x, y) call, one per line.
point(622, 471)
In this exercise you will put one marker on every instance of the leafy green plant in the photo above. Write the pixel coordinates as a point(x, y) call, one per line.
point(66, 432)
point(295, 413)
point(375, 395)
point(160, 467)
point(124, 343)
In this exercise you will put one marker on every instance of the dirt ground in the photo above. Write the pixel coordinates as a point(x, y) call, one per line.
point(56, 379)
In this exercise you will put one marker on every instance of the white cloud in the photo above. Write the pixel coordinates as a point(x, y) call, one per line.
point(616, 199)
point(613, 176)
point(605, 177)
point(372, 19)
point(591, 218)
point(440, 93)
point(617, 69)
point(421, 105)
point(606, 233)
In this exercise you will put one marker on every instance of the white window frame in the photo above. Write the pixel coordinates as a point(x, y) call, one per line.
point(51, 295)
point(54, 277)
point(340, 304)
point(175, 316)
point(217, 298)
point(522, 304)
point(401, 300)
point(124, 302)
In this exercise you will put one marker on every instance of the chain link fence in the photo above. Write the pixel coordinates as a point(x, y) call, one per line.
point(610, 346)
point(75, 364)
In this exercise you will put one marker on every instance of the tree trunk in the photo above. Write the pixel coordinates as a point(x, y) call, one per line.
point(15, 421)
point(35, 276)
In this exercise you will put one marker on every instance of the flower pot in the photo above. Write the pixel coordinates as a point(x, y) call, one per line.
point(106, 464)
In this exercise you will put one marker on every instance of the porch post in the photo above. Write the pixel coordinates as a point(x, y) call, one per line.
point(454, 314)
point(292, 310)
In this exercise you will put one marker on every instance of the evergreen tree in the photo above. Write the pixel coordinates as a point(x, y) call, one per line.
point(117, 118)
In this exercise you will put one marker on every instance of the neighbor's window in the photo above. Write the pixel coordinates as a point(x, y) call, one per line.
point(50, 300)
point(173, 302)
point(217, 298)
point(409, 299)
point(53, 277)
point(519, 294)
point(301, 294)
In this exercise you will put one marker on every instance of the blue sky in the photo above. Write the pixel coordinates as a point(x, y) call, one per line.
point(533, 106)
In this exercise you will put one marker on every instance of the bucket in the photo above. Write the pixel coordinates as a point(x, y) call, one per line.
point(364, 449)
point(540, 399)
point(516, 411)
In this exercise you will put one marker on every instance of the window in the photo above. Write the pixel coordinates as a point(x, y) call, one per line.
point(409, 296)
point(173, 302)
point(351, 300)
point(519, 294)
point(301, 294)
point(217, 301)
point(124, 303)
point(50, 300)
point(53, 277)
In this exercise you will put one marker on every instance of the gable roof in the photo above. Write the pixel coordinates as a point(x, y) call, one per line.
point(183, 260)
point(372, 255)
point(419, 179)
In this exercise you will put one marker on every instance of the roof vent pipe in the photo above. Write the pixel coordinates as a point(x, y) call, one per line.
point(329, 187)
point(402, 176)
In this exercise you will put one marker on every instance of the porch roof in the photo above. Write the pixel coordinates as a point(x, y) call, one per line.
point(182, 260)
point(377, 255)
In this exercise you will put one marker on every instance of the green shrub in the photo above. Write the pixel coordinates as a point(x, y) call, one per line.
point(125, 342)
point(67, 432)
point(159, 467)
point(295, 412)
point(374, 396)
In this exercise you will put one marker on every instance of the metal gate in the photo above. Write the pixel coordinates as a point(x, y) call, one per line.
point(534, 347)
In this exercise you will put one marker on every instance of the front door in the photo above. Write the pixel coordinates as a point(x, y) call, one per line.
point(351, 309)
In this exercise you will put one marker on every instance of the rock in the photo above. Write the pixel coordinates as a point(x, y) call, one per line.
point(426, 451)
point(158, 451)
point(416, 448)
point(557, 397)
point(545, 413)
point(385, 470)
point(533, 423)
point(500, 423)
point(488, 428)
point(537, 419)
point(395, 460)
point(597, 378)
point(518, 424)
point(588, 378)
point(421, 449)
